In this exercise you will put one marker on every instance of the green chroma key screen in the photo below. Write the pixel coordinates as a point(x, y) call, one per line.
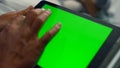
point(76, 44)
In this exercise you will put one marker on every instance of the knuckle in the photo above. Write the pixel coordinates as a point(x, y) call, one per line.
point(46, 14)
point(33, 12)
point(39, 19)
point(36, 11)
point(49, 34)
point(17, 54)
point(22, 17)
point(46, 38)
point(8, 27)
point(43, 17)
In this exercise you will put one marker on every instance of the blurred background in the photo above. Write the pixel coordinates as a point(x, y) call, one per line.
point(106, 10)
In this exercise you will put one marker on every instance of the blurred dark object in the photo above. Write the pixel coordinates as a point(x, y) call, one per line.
point(103, 13)
point(96, 8)
point(101, 3)
point(89, 6)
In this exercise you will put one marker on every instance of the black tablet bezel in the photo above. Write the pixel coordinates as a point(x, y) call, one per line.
point(108, 44)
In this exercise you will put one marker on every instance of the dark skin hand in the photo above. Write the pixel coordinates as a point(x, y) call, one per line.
point(19, 45)
point(8, 17)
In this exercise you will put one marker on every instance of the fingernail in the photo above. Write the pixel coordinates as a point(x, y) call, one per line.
point(58, 26)
point(43, 9)
point(48, 11)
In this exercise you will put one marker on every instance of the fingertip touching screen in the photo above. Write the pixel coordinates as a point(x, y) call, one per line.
point(77, 42)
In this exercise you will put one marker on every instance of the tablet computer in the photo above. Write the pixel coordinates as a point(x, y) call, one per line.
point(82, 42)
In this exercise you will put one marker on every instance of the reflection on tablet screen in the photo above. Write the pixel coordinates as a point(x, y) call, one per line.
point(76, 43)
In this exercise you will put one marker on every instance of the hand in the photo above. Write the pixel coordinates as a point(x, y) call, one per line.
point(19, 45)
point(8, 17)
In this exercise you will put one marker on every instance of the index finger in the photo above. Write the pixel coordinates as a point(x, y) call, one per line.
point(24, 12)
